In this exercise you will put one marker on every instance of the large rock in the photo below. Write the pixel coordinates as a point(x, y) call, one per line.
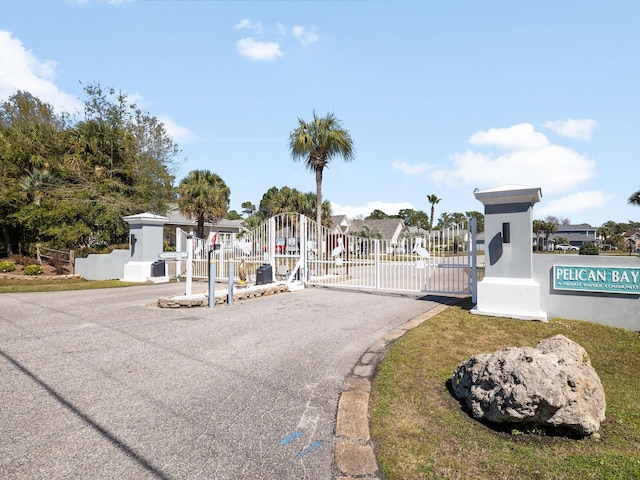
point(552, 384)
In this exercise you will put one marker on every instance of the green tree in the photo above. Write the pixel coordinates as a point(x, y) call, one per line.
point(286, 199)
point(204, 196)
point(317, 143)
point(233, 215)
point(413, 218)
point(248, 208)
point(377, 215)
point(479, 219)
point(548, 229)
point(433, 200)
point(69, 183)
point(538, 229)
point(449, 220)
point(369, 232)
point(635, 198)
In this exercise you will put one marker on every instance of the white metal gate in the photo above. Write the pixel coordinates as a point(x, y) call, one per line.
point(296, 248)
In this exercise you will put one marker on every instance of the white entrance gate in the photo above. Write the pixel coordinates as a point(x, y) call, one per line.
point(296, 248)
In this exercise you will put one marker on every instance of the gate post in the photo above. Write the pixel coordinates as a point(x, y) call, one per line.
point(508, 288)
point(189, 272)
point(304, 267)
point(272, 243)
point(474, 261)
point(376, 261)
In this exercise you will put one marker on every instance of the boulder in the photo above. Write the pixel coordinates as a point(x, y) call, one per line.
point(552, 385)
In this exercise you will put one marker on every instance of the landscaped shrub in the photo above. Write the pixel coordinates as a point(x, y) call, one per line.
point(33, 270)
point(589, 249)
point(7, 266)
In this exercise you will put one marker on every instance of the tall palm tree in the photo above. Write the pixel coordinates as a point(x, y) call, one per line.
point(635, 198)
point(316, 143)
point(433, 199)
point(205, 196)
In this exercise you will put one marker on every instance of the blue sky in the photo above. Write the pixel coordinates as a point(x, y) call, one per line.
point(440, 97)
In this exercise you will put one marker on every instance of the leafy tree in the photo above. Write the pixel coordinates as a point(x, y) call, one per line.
point(317, 143)
point(377, 215)
point(204, 196)
point(449, 220)
point(285, 199)
point(548, 228)
point(280, 200)
point(412, 217)
point(538, 229)
point(233, 215)
point(248, 208)
point(69, 183)
point(369, 232)
point(479, 219)
point(433, 200)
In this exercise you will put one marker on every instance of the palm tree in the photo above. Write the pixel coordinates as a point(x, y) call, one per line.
point(433, 199)
point(369, 232)
point(316, 143)
point(35, 183)
point(538, 228)
point(549, 228)
point(635, 198)
point(205, 196)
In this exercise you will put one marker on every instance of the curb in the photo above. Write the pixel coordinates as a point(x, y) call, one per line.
point(354, 454)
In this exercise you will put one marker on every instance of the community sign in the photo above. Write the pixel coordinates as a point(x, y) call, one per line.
point(596, 279)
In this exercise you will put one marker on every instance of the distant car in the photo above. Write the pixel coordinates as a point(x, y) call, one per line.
point(566, 246)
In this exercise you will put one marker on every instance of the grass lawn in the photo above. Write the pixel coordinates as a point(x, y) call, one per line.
point(45, 284)
point(420, 431)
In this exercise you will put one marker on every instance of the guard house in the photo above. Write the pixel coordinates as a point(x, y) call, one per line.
point(145, 243)
point(508, 288)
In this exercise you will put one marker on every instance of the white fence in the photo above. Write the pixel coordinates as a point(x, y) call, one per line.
point(297, 248)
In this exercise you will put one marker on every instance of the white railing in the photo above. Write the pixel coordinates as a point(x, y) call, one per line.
point(297, 248)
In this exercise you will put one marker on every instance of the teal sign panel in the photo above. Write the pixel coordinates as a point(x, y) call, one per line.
point(596, 279)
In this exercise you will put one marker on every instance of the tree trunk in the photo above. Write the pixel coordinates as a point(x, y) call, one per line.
point(7, 240)
point(319, 196)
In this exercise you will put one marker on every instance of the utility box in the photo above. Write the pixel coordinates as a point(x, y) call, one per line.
point(264, 274)
point(158, 268)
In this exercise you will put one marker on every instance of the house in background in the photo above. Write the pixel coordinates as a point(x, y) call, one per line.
point(577, 235)
point(389, 228)
point(224, 231)
point(632, 240)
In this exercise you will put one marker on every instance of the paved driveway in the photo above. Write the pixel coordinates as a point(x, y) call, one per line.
point(97, 385)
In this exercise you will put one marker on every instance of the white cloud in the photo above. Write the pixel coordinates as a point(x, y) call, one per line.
point(578, 129)
point(530, 160)
point(303, 36)
point(366, 209)
point(409, 169)
point(256, 50)
point(574, 203)
point(246, 24)
point(176, 131)
point(518, 137)
point(23, 71)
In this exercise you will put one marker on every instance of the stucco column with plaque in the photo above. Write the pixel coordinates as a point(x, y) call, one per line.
point(145, 243)
point(508, 288)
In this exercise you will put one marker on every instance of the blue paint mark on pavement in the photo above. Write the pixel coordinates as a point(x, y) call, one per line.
point(313, 446)
point(289, 438)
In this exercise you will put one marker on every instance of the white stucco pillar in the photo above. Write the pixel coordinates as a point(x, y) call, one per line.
point(145, 243)
point(508, 288)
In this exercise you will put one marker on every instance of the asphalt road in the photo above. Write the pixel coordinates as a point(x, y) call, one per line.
point(96, 384)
